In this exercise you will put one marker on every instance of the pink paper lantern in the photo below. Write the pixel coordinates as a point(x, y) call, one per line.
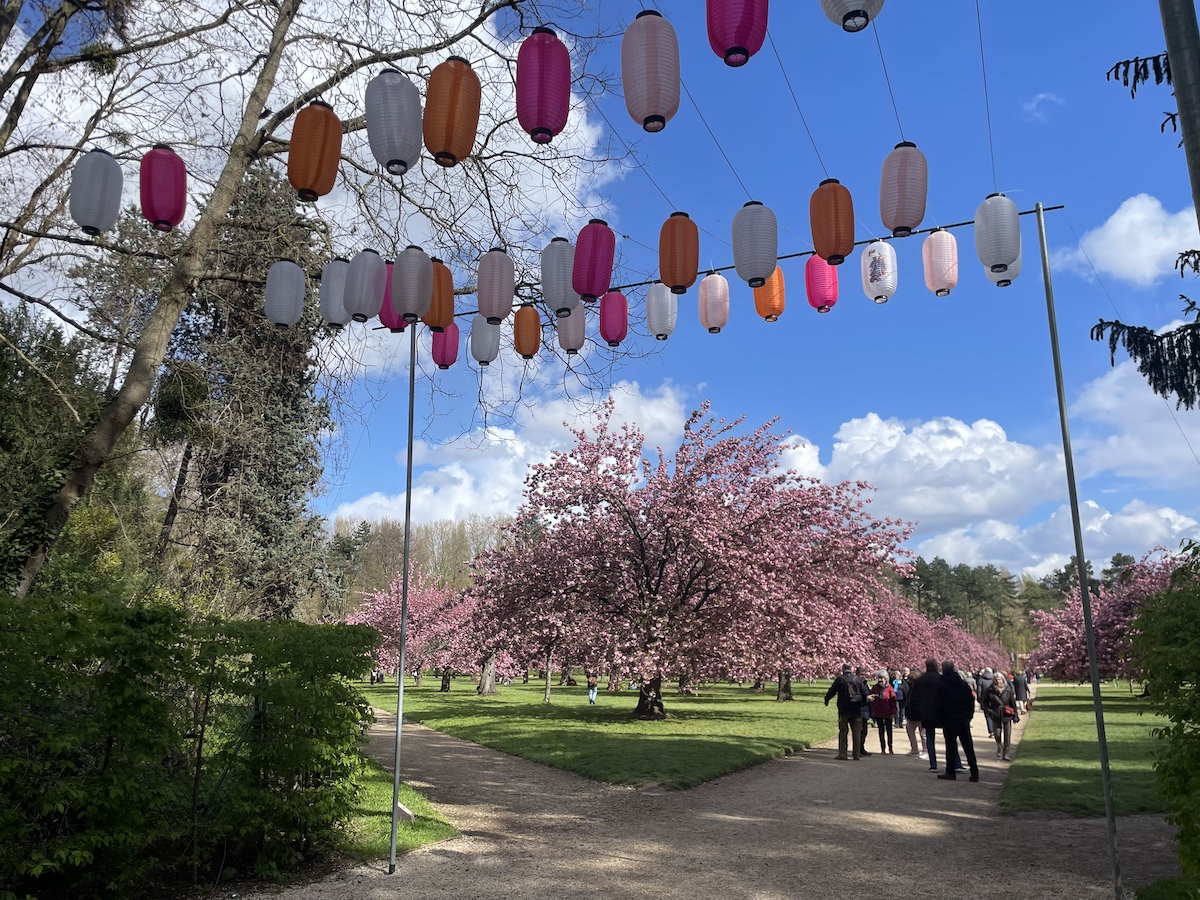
point(821, 284)
point(736, 28)
point(543, 85)
point(614, 318)
point(591, 272)
point(388, 317)
point(445, 346)
point(163, 187)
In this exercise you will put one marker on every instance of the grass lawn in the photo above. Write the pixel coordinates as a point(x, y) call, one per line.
point(722, 729)
point(368, 836)
point(1058, 766)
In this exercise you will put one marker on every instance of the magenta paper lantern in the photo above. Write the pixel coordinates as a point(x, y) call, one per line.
point(388, 317)
point(736, 28)
point(543, 85)
point(614, 318)
point(445, 346)
point(821, 284)
point(591, 271)
point(163, 187)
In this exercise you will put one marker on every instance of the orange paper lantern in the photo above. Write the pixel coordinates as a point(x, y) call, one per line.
point(441, 309)
point(451, 111)
point(769, 299)
point(678, 253)
point(315, 151)
point(831, 214)
point(527, 331)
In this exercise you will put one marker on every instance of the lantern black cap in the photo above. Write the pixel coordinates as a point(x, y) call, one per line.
point(752, 203)
point(830, 181)
point(412, 247)
point(500, 249)
point(646, 12)
point(597, 222)
point(685, 215)
point(320, 103)
point(905, 144)
point(552, 240)
point(458, 59)
point(542, 29)
point(990, 196)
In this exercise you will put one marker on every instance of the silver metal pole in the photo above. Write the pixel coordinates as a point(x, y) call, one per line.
point(1183, 53)
point(1081, 563)
point(408, 467)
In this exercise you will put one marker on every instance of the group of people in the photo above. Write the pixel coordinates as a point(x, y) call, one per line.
point(939, 698)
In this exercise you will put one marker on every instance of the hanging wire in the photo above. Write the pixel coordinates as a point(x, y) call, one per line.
point(632, 155)
point(986, 105)
point(792, 91)
point(887, 79)
point(704, 121)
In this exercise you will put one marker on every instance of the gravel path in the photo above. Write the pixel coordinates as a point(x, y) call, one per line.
point(803, 826)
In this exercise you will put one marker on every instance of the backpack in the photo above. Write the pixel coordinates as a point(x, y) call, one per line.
point(854, 691)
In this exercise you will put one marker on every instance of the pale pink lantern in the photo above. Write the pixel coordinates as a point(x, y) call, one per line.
point(614, 318)
point(388, 317)
point(163, 181)
point(939, 254)
point(445, 346)
point(820, 284)
point(572, 330)
point(591, 272)
point(736, 28)
point(650, 70)
point(714, 302)
point(543, 85)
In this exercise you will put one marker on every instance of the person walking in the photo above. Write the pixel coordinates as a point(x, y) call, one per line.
point(593, 685)
point(900, 686)
point(883, 710)
point(955, 708)
point(1000, 702)
point(864, 711)
point(849, 703)
point(912, 720)
point(923, 706)
point(1020, 684)
point(982, 685)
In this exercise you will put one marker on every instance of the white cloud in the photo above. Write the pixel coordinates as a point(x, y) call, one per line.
point(1138, 243)
point(1035, 107)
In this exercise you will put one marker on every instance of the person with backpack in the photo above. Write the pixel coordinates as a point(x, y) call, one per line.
point(847, 688)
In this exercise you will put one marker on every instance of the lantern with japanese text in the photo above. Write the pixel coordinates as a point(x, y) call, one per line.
point(333, 292)
point(903, 186)
point(820, 284)
point(283, 297)
point(445, 346)
point(543, 85)
point(662, 309)
point(614, 318)
point(315, 151)
point(939, 254)
point(497, 283)
point(650, 70)
point(678, 252)
point(527, 331)
point(393, 115)
point(714, 302)
point(755, 243)
point(95, 195)
point(879, 271)
point(736, 28)
point(451, 115)
point(163, 187)
point(591, 269)
point(769, 299)
point(831, 215)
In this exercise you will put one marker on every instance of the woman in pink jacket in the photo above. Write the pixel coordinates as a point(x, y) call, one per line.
point(883, 710)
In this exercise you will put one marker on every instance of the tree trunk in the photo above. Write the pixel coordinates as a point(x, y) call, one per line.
point(97, 445)
point(549, 669)
point(164, 535)
point(445, 688)
point(685, 685)
point(650, 704)
point(785, 687)
point(487, 678)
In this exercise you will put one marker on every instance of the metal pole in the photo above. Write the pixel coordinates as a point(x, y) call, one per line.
point(1183, 53)
point(1080, 562)
point(408, 467)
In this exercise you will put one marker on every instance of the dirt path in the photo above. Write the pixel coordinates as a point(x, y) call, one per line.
point(804, 826)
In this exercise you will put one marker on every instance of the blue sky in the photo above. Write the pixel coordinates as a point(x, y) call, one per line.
point(946, 405)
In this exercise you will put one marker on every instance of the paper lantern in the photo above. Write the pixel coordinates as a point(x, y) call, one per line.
point(755, 243)
point(736, 28)
point(572, 329)
point(333, 292)
point(497, 283)
point(879, 271)
point(997, 233)
point(366, 280)
point(393, 106)
point(650, 70)
point(939, 254)
point(769, 299)
point(485, 340)
point(412, 293)
point(714, 302)
point(389, 317)
point(315, 151)
point(591, 269)
point(441, 305)
point(163, 184)
point(820, 284)
point(662, 309)
point(527, 331)
point(95, 194)
point(283, 297)
point(543, 85)
point(1008, 276)
point(831, 216)
point(451, 111)
point(852, 15)
point(903, 186)
point(614, 318)
point(558, 263)
point(678, 252)
point(445, 346)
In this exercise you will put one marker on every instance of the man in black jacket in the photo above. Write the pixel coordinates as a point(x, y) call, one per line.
point(955, 707)
point(849, 701)
point(922, 703)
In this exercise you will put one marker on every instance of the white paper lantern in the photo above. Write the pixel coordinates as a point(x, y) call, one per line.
point(1009, 275)
point(997, 233)
point(755, 243)
point(572, 329)
point(650, 70)
point(95, 195)
point(879, 271)
point(939, 254)
point(903, 186)
point(366, 280)
point(393, 106)
point(558, 262)
point(497, 284)
point(852, 15)
point(714, 302)
point(485, 340)
point(333, 292)
point(412, 283)
point(662, 309)
point(283, 297)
